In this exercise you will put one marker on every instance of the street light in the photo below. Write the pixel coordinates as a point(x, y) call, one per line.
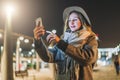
point(9, 10)
point(1, 35)
point(26, 40)
point(17, 55)
point(7, 56)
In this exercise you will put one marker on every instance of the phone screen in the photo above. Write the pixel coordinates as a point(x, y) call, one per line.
point(39, 21)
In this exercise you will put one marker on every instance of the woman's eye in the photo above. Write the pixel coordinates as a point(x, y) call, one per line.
point(72, 20)
point(75, 19)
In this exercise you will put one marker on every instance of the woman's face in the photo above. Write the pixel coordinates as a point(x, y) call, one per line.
point(74, 22)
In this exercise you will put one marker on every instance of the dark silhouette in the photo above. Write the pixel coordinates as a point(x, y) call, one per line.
point(117, 64)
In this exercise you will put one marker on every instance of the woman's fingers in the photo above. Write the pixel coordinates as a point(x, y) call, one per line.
point(49, 38)
point(52, 37)
point(38, 32)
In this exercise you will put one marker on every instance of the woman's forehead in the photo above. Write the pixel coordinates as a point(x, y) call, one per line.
point(73, 15)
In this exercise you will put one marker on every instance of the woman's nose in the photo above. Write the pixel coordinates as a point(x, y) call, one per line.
point(72, 22)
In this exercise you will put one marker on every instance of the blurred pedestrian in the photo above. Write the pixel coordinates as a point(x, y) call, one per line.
point(76, 51)
point(117, 64)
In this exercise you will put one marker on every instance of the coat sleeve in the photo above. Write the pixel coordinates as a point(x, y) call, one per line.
point(85, 54)
point(42, 50)
point(48, 55)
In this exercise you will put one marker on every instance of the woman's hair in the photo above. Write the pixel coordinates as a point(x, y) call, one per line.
point(85, 24)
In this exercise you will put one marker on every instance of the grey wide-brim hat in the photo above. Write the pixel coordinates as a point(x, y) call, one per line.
point(68, 10)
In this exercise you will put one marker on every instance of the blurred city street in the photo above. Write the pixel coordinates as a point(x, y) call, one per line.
point(100, 73)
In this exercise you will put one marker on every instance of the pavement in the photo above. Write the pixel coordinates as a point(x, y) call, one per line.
point(105, 73)
point(43, 74)
point(99, 73)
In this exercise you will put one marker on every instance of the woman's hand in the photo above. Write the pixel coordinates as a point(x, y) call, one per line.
point(38, 32)
point(52, 37)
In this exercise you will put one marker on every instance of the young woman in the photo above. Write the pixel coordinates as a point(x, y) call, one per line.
point(75, 52)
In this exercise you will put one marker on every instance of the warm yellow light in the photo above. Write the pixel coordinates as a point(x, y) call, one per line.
point(1, 35)
point(21, 38)
point(18, 42)
point(26, 40)
point(9, 9)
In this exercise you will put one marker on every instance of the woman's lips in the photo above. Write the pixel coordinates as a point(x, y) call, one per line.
point(72, 26)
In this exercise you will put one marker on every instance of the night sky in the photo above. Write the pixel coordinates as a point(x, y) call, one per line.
point(104, 16)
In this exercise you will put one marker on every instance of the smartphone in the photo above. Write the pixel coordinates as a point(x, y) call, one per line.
point(39, 22)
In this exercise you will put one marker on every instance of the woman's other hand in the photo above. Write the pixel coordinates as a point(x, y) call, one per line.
point(52, 37)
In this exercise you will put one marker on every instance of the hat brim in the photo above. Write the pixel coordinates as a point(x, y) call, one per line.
point(68, 10)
